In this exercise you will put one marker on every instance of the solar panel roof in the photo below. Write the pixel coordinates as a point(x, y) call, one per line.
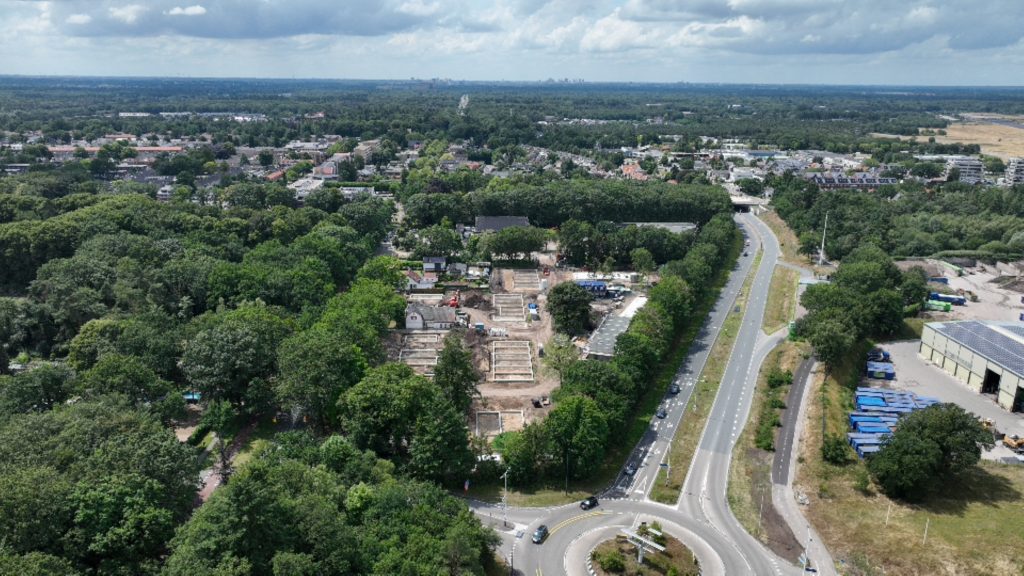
point(1000, 342)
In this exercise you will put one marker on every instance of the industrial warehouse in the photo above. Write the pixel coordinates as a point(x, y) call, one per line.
point(986, 356)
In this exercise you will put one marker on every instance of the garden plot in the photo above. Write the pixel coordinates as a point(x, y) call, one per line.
point(511, 361)
point(508, 308)
point(526, 280)
point(420, 352)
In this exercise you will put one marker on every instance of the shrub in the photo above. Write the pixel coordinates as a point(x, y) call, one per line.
point(835, 450)
point(779, 378)
point(612, 561)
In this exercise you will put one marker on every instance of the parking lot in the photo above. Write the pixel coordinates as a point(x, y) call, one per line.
point(915, 374)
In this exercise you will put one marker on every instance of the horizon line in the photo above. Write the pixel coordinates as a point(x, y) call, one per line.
point(548, 81)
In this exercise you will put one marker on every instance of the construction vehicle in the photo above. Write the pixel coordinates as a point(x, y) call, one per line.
point(454, 302)
point(1015, 443)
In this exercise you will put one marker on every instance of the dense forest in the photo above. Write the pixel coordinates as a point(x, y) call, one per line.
point(837, 119)
point(118, 306)
point(905, 220)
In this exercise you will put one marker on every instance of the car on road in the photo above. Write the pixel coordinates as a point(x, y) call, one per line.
point(540, 534)
point(662, 413)
point(673, 388)
point(589, 503)
point(630, 469)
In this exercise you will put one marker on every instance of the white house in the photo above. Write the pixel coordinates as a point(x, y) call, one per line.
point(419, 317)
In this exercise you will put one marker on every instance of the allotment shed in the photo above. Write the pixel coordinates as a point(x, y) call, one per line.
point(986, 356)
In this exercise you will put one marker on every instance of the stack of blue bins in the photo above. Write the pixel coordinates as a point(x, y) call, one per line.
point(877, 414)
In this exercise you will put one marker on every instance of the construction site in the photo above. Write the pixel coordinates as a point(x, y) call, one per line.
point(506, 328)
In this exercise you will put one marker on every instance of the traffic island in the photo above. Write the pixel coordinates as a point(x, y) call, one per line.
point(662, 554)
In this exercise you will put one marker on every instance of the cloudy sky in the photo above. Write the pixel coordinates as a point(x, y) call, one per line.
point(930, 42)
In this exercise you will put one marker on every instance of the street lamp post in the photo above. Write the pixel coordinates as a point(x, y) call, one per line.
point(504, 500)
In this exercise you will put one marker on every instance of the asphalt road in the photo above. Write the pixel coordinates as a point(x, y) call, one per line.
point(701, 518)
point(784, 449)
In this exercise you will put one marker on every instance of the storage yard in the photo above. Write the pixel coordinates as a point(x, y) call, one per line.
point(928, 380)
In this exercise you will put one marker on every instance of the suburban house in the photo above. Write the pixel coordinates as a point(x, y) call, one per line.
point(434, 264)
point(499, 223)
point(420, 281)
point(419, 317)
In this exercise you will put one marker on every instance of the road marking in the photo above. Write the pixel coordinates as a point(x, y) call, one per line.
point(565, 523)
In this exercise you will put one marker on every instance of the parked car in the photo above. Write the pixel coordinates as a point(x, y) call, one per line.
point(540, 534)
point(589, 503)
point(673, 388)
point(630, 469)
point(662, 413)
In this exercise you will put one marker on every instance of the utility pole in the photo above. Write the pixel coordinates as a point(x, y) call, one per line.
point(504, 500)
point(821, 253)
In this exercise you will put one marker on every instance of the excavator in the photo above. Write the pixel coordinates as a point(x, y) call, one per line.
point(1015, 443)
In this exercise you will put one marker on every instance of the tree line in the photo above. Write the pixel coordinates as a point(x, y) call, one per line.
point(550, 204)
point(905, 220)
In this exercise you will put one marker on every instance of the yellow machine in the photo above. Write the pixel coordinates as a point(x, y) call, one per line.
point(1014, 442)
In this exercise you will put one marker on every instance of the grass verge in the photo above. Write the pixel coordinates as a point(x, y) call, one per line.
point(553, 493)
point(781, 306)
point(670, 481)
point(789, 244)
point(975, 524)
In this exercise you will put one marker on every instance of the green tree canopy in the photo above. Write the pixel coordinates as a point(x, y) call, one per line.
point(569, 305)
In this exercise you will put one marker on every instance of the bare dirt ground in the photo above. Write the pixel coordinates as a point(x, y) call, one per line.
point(994, 303)
point(995, 139)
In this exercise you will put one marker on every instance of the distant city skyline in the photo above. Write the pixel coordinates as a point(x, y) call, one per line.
point(869, 42)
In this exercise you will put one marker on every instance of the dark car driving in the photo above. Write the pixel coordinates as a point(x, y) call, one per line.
point(589, 503)
point(540, 534)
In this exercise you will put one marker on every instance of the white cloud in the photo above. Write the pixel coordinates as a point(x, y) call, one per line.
point(195, 10)
point(127, 14)
point(78, 19)
point(418, 8)
point(612, 33)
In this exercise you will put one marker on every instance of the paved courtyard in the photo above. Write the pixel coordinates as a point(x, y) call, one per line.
point(915, 374)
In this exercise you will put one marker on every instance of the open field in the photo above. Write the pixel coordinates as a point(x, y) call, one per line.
point(975, 525)
point(782, 299)
point(986, 130)
point(684, 444)
point(750, 482)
